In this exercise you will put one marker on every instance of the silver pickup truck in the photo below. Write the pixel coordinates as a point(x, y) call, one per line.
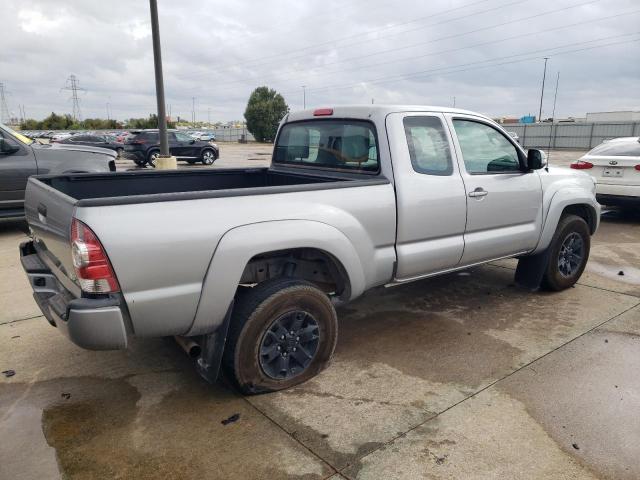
point(244, 266)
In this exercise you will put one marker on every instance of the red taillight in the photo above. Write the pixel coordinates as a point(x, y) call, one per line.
point(581, 165)
point(637, 167)
point(136, 142)
point(322, 112)
point(90, 261)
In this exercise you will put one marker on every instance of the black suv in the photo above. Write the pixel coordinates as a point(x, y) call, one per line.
point(143, 147)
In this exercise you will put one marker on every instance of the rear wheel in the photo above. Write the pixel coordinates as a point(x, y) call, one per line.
point(208, 157)
point(570, 248)
point(140, 163)
point(152, 157)
point(282, 333)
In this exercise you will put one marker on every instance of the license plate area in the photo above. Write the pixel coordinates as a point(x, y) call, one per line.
point(612, 172)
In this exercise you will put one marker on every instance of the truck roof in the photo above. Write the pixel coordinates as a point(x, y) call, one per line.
point(368, 111)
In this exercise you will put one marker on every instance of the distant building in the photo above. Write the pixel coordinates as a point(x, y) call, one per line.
point(620, 116)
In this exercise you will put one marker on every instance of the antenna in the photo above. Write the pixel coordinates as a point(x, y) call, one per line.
point(73, 84)
point(5, 117)
point(544, 76)
point(553, 119)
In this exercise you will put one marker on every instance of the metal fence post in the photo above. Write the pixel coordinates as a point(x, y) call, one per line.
point(524, 136)
point(555, 133)
point(591, 135)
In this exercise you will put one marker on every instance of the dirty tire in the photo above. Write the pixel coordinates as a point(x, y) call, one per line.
point(569, 225)
point(256, 310)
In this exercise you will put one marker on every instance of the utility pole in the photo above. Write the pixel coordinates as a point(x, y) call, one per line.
point(73, 85)
point(5, 117)
point(108, 115)
point(304, 97)
point(157, 63)
point(454, 102)
point(193, 110)
point(209, 116)
point(544, 75)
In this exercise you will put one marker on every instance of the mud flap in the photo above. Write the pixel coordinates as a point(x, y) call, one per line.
point(531, 269)
point(208, 364)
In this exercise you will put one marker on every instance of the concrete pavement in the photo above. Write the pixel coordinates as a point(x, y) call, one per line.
point(462, 376)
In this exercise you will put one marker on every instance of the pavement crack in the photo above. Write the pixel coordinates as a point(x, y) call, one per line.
point(21, 319)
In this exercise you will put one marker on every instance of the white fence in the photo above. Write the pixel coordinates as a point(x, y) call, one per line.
point(571, 135)
point(232, 134)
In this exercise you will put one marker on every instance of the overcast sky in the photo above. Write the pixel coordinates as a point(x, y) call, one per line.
point(487, 54)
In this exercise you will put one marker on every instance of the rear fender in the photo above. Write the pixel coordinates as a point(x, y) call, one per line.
point(240, 244)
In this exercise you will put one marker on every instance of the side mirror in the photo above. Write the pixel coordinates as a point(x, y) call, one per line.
point(7, 148)
point(536, 159)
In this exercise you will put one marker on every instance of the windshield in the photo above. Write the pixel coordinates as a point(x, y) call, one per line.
point(342, 144)
point(16, 135)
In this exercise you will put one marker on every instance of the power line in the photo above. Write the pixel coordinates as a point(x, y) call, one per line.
point(223, 68)
point(438, 71)
point(73, 85)
point(430, 54)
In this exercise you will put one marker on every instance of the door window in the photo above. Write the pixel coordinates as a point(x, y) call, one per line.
point(181, 137)
point(485, 149)
point(428, 145)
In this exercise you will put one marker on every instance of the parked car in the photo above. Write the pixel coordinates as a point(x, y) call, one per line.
point(122, 136)
point(57, 137)
point(95, 140)
point(245, 266)
point(143, 147)
point(204, 136)
point(21, 157)
point(615, 165)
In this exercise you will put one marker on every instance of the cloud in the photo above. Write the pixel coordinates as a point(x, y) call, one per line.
point(344, 52)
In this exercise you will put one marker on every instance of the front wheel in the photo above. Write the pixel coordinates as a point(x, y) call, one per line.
point(208, 157)
point(282, 333)
point(570, 248)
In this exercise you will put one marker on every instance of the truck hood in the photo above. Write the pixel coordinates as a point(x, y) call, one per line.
point(56, 147)
point(566, 176)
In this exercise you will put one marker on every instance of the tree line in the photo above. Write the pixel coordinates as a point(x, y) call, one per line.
point(265, 109)
point(67, 122)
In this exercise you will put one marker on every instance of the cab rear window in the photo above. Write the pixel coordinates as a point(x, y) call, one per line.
point(335, 144)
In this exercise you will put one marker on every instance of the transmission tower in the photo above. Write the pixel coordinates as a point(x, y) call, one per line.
point(5, 117)
point(73, 85)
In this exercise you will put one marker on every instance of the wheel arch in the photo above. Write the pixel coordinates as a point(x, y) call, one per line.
point(576, 201)
point(288, 241)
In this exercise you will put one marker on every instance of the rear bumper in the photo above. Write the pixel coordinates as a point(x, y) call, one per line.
point(618, 200)
point(91, 323)
point(609, 194)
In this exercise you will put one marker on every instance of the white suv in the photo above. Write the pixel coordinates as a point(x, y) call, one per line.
point(615, 165)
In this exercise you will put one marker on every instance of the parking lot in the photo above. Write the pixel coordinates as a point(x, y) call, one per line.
point(460, 376)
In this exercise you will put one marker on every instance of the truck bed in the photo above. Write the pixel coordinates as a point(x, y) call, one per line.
point(154, 186)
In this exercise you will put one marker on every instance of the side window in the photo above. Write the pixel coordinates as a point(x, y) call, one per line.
point(182, 137)
point(171, 137)
point(428, 145)
point(485, 149)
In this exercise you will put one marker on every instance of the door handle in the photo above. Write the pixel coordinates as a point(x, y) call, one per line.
point(478, 192)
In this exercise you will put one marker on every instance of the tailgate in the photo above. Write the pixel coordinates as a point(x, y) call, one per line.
point(49, 214)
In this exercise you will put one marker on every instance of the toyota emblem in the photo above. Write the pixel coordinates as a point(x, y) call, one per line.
point(613, 162)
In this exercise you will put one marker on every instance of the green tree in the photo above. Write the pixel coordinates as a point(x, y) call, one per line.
point(151, 122)
point(265, 109)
